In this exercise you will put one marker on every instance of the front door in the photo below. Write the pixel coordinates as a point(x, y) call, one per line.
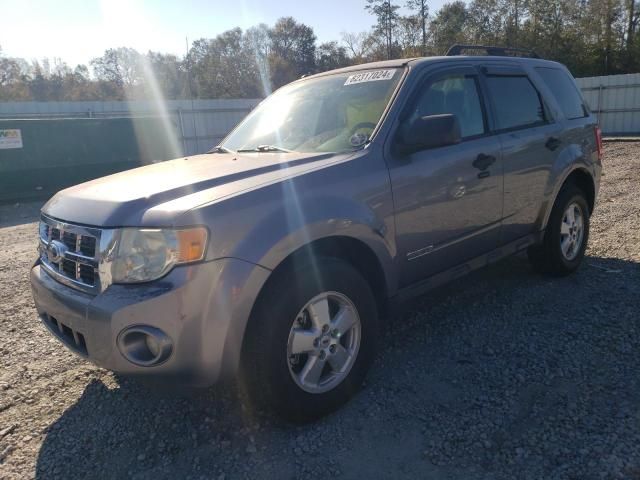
point(448, 200)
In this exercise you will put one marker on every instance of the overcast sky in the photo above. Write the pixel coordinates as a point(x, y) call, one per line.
point(78, 30)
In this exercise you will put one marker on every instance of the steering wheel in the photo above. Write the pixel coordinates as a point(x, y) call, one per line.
point(360, 125)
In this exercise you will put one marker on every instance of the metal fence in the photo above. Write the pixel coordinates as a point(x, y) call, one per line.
point(615, 99)
point(39, 156)
point(195, 125)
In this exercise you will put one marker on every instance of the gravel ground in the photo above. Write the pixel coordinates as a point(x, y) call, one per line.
point(506, 374)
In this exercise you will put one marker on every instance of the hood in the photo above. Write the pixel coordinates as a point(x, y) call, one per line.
point(156, 195)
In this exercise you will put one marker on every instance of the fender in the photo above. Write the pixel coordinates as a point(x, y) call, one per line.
point(572, 159)
point(296, 225)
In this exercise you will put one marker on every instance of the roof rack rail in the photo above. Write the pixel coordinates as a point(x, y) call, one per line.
point(491, 50)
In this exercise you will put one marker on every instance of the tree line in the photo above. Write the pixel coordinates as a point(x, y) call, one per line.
point(592, 37)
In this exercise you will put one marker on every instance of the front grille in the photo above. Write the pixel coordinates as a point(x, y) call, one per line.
point(88, 246)
point(87, 274)
point(69, 268)
point(70, 253)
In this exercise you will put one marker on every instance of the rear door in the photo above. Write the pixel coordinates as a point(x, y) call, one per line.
point(578, 124)
point(530, 140)
point(448, 200)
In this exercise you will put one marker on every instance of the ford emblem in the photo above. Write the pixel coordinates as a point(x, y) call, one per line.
point(56, 251)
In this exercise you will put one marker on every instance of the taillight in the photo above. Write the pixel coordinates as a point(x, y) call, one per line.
point(599, 141)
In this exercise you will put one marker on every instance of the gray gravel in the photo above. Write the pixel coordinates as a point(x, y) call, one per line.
point(506, 374)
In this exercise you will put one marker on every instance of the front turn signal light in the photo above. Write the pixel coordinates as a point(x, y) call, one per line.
point(192, 244)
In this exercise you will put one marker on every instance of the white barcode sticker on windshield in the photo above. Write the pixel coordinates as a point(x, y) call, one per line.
point(373, 76)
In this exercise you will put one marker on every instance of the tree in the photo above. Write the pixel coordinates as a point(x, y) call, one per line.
point(633, 18)
point(357, 44)
point(223, 67)
point(591, 37)
point(515, 14)
point(168, 74)
point(330, 55)
point(421, 13)
point(604, 26)
point(387, 20)
point(292, 51)
point(118, 65)
point(486, 22)
point(448, 26)
point(408, 35)
point(9, 70)
point(258, 45)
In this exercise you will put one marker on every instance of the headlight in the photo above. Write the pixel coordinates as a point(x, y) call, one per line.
point(147, 254)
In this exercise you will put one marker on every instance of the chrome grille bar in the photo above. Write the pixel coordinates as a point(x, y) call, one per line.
point(64, 253)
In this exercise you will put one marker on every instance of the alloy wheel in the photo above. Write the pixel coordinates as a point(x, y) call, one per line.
point(572, 231)
point(323, 342)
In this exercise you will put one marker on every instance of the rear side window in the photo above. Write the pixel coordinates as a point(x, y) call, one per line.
point(564, 91)
point(517, 102)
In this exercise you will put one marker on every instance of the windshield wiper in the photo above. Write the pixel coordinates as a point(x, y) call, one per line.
point(266, 148)
point(220, 149)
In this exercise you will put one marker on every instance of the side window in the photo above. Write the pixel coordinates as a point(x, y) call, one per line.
point(516, 100)
point(564, 91)
point(457, 94)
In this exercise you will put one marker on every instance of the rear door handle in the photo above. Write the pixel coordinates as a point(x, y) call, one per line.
point(553, 143)
point(483, 161)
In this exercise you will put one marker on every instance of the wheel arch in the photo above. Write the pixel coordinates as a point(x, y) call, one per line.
point(353, 251)
point(584, 181)
point(580, 177)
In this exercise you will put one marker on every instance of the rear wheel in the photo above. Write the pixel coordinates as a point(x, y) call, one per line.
point(311, 340)
point(566, 236)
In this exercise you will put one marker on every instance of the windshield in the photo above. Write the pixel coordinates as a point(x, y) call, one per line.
point(327, 114)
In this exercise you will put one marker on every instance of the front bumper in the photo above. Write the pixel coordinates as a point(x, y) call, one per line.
point(202, 308)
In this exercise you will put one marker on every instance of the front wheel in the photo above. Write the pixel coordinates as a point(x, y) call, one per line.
point(311, 340)
point(566, 236)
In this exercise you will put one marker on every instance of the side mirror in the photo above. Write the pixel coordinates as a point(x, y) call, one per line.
point(430, 132)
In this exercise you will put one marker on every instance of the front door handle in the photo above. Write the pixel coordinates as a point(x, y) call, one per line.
point(483, 161)
point(553, 143)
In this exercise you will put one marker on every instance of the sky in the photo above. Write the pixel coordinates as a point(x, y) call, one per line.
point(78, 30)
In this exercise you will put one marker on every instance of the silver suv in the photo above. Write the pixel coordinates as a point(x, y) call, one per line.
point(275, 257)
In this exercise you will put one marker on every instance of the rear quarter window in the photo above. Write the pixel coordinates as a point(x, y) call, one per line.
point(565, 92)
point(517, 102)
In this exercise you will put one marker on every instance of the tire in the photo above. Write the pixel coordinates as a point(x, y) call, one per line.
point(553, 256)
point(287, 316)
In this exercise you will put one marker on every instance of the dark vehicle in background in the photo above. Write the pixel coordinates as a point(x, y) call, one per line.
point(276, 256)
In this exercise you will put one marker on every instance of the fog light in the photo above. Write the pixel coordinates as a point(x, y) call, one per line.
point(152, 345)
point(144, 345)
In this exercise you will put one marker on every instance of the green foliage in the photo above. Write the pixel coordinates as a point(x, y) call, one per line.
point(330, 55)
point(222, 68)
point(292, 51)
point(419, 16)
point(448, 27)
point(592, 37)
point(387, 17)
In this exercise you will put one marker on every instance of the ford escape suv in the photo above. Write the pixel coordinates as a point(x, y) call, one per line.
point(273, 257)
